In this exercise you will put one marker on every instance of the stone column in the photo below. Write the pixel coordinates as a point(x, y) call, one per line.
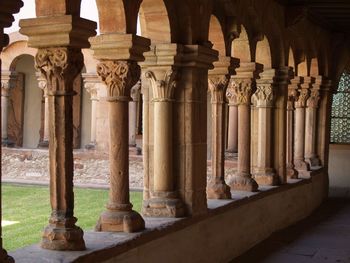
point(8, 82)
point(232, 133)
point(164, 198)
point(299, 129)
point(217, 188)
point(311, 125)
point(135, 94)
point(292, 97)
point(91, 82)
point(119, 71)
point(264, 96)
point(6, 19)
point(42, 84)
point(240, 87)
point(60, 65)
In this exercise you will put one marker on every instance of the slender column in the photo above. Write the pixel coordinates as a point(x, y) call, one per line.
point(60, 66)
point(311, 125)
point(64, 65)
point(217, 188)
point(299, 135)
point(232, 133)
point(164, 199)
point(119, 77)
point(135, 93)
point(42, 84)
point(8, 82)
point(242, 90)
point(6, 19)
point(292, 96)
point(264, 96)
point(91, 82)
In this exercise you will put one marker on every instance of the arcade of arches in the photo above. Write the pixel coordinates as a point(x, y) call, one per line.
point(229, 83)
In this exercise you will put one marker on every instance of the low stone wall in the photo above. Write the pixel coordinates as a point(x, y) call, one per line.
point(228, 229)
point(91, 168)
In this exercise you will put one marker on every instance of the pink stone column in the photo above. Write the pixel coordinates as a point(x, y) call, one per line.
point(311, 125)
point(119, 77)
point(299, 129)
point(60, 66)
point(232, 133)
point(42, 83)
point(164, 201)
point(241, 89)
point(265, 97)
point(217, 188)
point(292, 96)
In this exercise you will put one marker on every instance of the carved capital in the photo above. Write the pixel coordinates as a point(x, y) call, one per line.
point(135, 91)
point(163, 89)
point(301, 100)
point(312, 101)
point(119, 77)
point(264, 95)
point(239, 91)
point(8, 82)
point(217, 87)
point(92, 88)
point(60, 66)
point(292, 97)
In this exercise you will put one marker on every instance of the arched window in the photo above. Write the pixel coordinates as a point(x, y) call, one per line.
point(340, 128)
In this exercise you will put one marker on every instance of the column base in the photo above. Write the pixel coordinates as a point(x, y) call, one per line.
point(266, 177)
point(120, 221)
point(7, 143)
point(242, 182)
point(43, 144)
point(63, 235)
point(163, 204)
point(300, 165)
point(313, 161)
point(5, 258)
point(218, 189)
point(90, 146)
point(292, 173)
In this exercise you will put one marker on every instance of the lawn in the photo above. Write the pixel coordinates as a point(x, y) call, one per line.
point(28, 209)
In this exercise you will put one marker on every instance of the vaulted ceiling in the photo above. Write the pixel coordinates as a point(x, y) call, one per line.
point(332, 14)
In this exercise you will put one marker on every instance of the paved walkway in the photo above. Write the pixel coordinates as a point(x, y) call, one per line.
point(322, 237)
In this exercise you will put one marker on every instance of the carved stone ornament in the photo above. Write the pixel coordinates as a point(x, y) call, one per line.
point(303, 96)
point(264, 95)
point(314, 98)
point(292, 97)
point(92, 88)
point(60, 66)
point(240, 91)
point(135, 91)
point(217, 86)
point(119, 77)
point(163, 89)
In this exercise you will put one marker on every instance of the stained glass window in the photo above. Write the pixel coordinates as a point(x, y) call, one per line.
point(340, 129)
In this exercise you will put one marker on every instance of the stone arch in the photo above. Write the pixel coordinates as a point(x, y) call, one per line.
point(154, 21)
point(241, 47)
point(263, 53)
point(313, 68)
point(216, 35)
point(302, 68)
point(291, 60)
point(25, 104)
point(57, 7)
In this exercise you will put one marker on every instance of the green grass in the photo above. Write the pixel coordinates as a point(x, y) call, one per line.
point(30, 206)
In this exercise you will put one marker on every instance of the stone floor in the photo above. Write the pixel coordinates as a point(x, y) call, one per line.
point(322, 237)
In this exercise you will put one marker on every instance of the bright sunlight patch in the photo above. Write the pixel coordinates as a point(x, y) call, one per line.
point(8, 223)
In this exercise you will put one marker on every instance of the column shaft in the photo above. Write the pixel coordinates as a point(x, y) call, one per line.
point(93, 120)
point(4, 117)
point(119, 77)
point(163, 177)
point(232, 137)
point(217, 188)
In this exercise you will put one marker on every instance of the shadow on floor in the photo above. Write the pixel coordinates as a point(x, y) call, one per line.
point(322, 237)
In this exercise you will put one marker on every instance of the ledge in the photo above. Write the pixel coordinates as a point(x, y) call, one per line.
point(228, 229)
